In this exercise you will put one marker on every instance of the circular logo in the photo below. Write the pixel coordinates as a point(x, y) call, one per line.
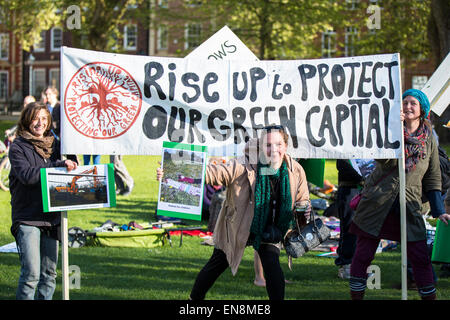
point(309, 236)
point(102, 100)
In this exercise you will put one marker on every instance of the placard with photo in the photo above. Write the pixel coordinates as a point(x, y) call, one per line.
point(181, 188)
point(83, 188)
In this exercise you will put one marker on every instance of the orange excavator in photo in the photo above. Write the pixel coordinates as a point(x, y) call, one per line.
point(73, 187)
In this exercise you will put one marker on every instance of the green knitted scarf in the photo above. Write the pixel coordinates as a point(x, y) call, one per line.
point(262, 202)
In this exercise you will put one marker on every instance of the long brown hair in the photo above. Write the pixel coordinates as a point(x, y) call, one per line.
point(29, 113)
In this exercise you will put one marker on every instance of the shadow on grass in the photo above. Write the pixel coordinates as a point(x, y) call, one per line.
point(135, 209)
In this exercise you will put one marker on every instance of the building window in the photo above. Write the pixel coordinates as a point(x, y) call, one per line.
point(53, 78)
point(4, 46)
point(328, 44)
point(193, 35)
point(193, 3)
point(40, 46)
point(130, 37)
point(419, 81)
point(351, 34)
point(163, 4)
point(38, 82)
point(3, 85)
point(56, 39)
point(163, 37)
point(352, 4)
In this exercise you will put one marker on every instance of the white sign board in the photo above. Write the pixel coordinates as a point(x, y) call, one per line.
point(223, 45)
point(437, 88)
point(332, 108)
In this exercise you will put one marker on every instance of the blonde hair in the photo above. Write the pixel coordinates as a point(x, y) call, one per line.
point(52, 90)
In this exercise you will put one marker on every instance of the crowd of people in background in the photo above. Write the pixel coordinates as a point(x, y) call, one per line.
point(258, 207)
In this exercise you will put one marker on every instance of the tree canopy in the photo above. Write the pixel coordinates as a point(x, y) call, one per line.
point(272, 29)
point(27, 18)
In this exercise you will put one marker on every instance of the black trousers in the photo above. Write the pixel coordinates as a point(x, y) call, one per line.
point(347, 240)
point(218, 263)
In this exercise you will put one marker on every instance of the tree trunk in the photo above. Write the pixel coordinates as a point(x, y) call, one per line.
point(440, 12)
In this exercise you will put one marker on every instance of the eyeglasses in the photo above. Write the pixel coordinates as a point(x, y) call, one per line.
point(274, 127)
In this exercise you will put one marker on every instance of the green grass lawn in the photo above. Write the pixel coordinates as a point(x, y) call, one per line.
point(169, 272)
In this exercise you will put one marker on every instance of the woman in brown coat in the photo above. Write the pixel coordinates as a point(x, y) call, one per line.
point(257, 211)
point(378, 213)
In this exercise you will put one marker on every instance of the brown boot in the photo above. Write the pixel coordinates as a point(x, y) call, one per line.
point(357, 295)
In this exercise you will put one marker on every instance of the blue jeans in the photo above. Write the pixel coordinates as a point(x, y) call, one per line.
point(87, 159)
point(38, 254)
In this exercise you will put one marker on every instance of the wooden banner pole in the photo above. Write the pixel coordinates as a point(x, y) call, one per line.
point(64, 256)
point(402, 195)
point(404, 238)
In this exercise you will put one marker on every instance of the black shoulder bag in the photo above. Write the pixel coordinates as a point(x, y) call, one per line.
point(299, 241)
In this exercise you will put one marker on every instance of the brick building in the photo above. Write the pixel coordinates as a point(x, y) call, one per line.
point(11, 71)
point(22, 73)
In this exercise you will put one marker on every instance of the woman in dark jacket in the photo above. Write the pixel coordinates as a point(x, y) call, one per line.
point(378, 213)
point(35, 231)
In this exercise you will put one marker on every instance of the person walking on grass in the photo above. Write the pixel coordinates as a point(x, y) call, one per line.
point(378, 213)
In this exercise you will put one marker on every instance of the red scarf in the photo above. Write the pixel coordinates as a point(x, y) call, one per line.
point(415, 148)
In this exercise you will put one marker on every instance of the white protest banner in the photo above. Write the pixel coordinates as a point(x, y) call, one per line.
point(332, 108)
point(222, 45)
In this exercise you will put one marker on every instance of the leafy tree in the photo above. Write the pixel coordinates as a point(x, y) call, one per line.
point(275, 29)
point(102, 20)
point(286, 29)
point(439, 28)
point(401, 27)
point(27, 18)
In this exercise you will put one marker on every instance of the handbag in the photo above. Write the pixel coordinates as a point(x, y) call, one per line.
point(355, 201)
point(357, 197)
point(298, 242)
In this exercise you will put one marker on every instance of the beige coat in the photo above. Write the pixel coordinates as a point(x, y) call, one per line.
point(235, 218)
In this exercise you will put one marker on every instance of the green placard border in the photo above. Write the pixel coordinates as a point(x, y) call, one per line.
point(181, 215)
point(184, 146)
point(111, 188)
point(111, 185)
point(44, 190)
point(188, 147)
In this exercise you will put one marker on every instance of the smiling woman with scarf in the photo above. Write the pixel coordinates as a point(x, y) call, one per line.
point(261, 191)
point(35, 231)
point(378, 213)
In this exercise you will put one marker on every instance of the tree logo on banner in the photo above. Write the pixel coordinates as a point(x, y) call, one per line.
point(102, 100)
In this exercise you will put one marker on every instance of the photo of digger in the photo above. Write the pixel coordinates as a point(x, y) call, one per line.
point(77, 187)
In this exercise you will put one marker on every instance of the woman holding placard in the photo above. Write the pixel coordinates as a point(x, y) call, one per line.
point(378, 213)
point(35, 231)
point(262, 189)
